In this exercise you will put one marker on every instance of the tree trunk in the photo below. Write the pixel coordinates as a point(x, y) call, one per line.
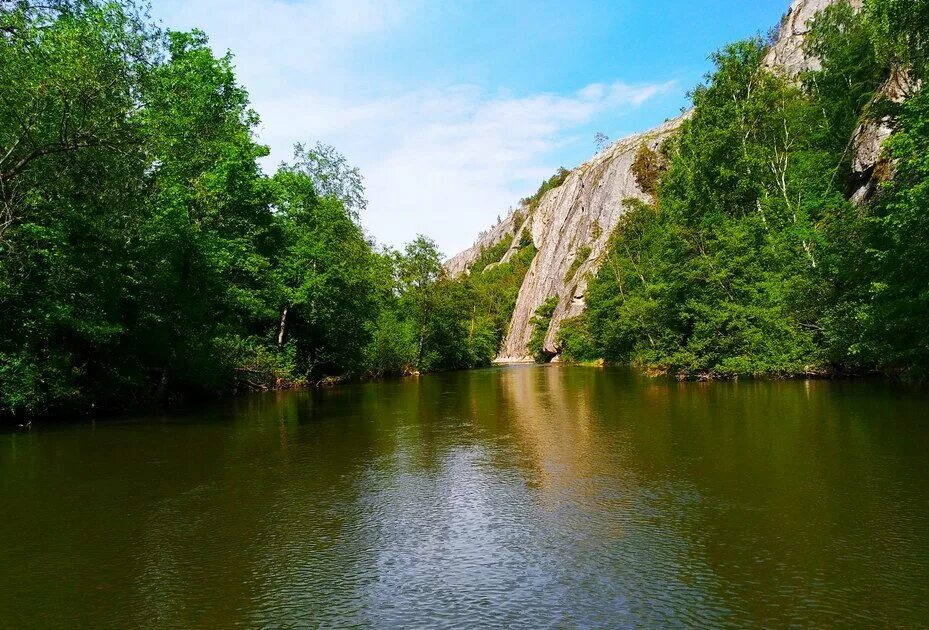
point(282, 328)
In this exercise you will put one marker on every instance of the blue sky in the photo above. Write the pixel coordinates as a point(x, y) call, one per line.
point(455, 110)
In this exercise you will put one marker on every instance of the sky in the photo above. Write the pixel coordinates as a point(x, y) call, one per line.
point(455, 109)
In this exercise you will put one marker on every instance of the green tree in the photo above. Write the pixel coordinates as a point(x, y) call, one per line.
point(418, 271)
point(206, 243)
point(332, 176)
point(143, 253)
point(730, 273)
point(896, 318)
point(326, 270)
point(901, 33)
point(71, 178)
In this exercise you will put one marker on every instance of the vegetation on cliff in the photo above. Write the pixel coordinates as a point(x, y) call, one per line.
point(751, 260)
point(532, 202)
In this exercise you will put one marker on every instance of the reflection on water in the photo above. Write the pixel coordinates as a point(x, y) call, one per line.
point(518, 496)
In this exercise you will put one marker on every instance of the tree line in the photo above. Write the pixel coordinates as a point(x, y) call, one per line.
point(146, 257)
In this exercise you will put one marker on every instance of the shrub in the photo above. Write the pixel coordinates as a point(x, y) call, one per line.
point(647, 168)
point(540, 323)
point(575, 341)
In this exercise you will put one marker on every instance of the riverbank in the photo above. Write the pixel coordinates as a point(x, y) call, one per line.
point(179, 404)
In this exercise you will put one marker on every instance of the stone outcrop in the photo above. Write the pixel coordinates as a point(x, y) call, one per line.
point(868, 141)
point(579, 216)
point(570, 221)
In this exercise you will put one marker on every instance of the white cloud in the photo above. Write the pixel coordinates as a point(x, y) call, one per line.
point(442, 161)
point(278, 42)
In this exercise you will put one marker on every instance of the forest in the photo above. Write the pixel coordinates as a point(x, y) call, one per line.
point(147, 257)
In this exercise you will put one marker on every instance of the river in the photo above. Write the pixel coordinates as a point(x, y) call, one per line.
point(520, 496)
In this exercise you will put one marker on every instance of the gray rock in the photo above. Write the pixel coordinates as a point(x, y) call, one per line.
point(581, 212)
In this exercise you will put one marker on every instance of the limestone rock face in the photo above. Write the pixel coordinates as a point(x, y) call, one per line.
point(579, 214)
point(867, 146)
point(868, 142)
point(582, 212)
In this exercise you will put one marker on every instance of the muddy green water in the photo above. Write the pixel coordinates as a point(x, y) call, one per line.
point(528, 497)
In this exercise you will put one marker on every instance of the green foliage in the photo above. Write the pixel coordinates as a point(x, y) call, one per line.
point(647, 168)
point(490, 255)
point(580, 257)
point(880, 318)
point(430, 322)
point(144, 256)
point(392, 350)
point(541, 321)
point(845, 87)
point(752, 261)
point(731, 273)
point(259, 365)
point(575, 341)
point(419, 270)
point(901, 33)
point(889, 318)
point(332, 176)
point(626, 300)
point(495, 291)
point(206, 228)
point(467, 317)
point(325, 277)
point(70, 165)
point(553, 182)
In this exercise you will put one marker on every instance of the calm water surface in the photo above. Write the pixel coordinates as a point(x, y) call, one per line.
point(534, 497)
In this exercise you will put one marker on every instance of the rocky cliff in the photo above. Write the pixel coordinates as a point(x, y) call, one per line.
point(577, 218)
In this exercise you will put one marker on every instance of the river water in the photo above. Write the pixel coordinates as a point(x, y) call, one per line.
point(522, 496)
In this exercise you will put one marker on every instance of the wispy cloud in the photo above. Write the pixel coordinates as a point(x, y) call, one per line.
point(443, 161)
point(280, 43)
